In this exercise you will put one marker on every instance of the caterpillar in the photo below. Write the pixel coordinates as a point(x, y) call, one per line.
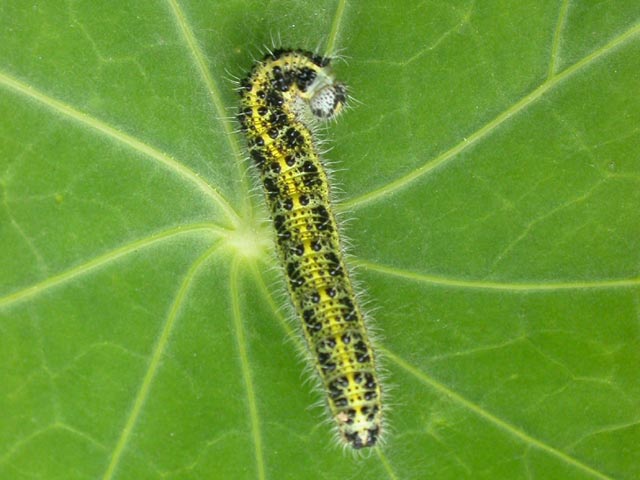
point(282, 98)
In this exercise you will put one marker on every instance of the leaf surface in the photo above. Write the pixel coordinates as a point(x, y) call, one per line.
point(488, 175)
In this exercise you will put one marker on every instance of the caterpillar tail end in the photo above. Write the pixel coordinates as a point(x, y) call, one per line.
point(359, 435)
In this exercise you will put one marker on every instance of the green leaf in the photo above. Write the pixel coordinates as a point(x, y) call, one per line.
point(489, 175)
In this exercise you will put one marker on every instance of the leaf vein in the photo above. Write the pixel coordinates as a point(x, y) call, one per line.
point(484, 131)
point(335, 27)
point(102, 260)
point(514, 287)
point(154, 362)
point(114, 133)
point(245, 366)
point(211, 86)
point(491, 418)
point(557, 38)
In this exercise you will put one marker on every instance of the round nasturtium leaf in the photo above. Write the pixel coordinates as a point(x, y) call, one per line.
point(487, 175)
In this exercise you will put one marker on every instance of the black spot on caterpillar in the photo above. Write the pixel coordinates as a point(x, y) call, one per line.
point(282, 97)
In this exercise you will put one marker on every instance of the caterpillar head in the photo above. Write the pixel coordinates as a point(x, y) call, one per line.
point(328, 101)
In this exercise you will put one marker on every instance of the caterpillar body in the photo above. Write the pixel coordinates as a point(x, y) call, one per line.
point(281, 100)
